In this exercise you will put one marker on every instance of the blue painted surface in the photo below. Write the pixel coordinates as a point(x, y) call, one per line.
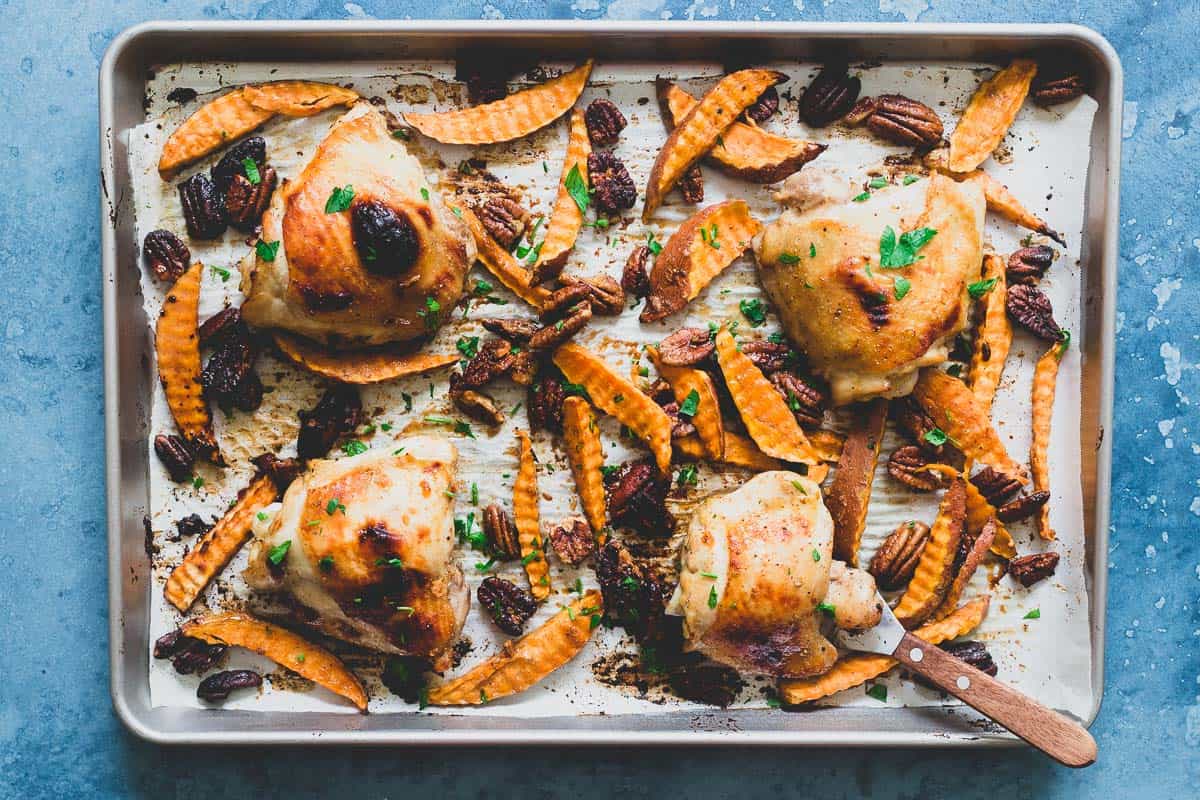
point(58, 736)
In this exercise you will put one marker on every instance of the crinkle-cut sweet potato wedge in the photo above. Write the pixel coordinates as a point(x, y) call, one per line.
point(501, 263)
point(298, 98)
point(828, 445)
point(177, 348)
point(979, 548)
point(525, 661)
point(361, 366)
point(993, 338)
point(700, 250)
point(989, 115)
point(617, 396)
point(699, 129)
point(529, 521)
point(965, 422)
point(858, 668)
point(744, 453)
point(581, 437)
point(979, 512)
point(305, 658)
point(566, 218)
point(214, 550)
point(850, 492)
point(210, 127)
point(1045, 377)
point(695, 386)
point(765, 413)
point(517, 115)
point(744, 150)
point(935, 570)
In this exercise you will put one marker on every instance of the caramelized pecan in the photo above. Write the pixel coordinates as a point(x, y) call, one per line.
point(637, 494)
point(504, 219)
point(554, 334)
point(217, 686)
point(829, 96)
point(192, 525)
point(1029, 264)
point(680, 427)
point(493, 359)
point(501, 533)
point(1030, 308)
point(768, 356)
point(188, 656)
point(1028, 570)
point(233, 163)
point(514, 330)
point(248, 394)
point(762, 108)
point(904, 121)
point(691, 185)
point(203, 211)
point(475, 405)
point(384, 238)
point(246, 201)
point(1057, 81)
point(916, 423)
point(508, 605)
point(524, 368)
point(166, 255)
point(545, 404)
point(573, 541)
point(282, 471)
point(996, 487)
point(806, 403)
point(605, 295)
point(896, 559)
point(613, 190)
point(224, 324)
point(686, 347)
point(906, 465)
point(227, 367)
point(634, 279)
point(338, 412)
point(973, 653)
point(176, 455)
point(1023, 507)
point(604, 121)
point(563, 302)
point(635, 596)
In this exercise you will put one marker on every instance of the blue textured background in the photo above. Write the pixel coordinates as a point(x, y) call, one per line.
point(58, 737)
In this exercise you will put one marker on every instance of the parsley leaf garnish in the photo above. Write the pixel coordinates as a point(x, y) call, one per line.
point(279, 552)
point(712, 597)
point(576, 186)
point(788, 258)
point(339, 199)
point(690, 404)
point(878, 691)
point(979, 288)
point(266, 250)
point(753, 310)
point(251, 169)
point(901, 252)
point(936, 437)
point(900, 286)
point(353, 447)
point(1035, 614)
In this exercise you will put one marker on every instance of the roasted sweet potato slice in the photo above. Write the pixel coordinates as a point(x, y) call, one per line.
point(501, 263)
point(525, 661)
point(703, 246)
point(529, 521)
point(359, 367)
point(988, 116)
point(1045, 377)
point(979, 513)
point(305, 658)
point(858, 668)
point(517, 115)
point(935, 570)
point(615, 395)
point(744, 453)
point(298, 98)
point(964, 421)
point(828, 445)
point(979, 548)
point(695, 392)
point(566, 218)
point(994, 336)
point(214, 550)
point(581, 436)
point(850, 492)
point(744, 150)
point(701, 127)
point(210, 127)
point(177, 348)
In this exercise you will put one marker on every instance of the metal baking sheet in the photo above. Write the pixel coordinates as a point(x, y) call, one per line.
point(122, 82)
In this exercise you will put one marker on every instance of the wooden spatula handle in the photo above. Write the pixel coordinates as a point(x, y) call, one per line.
point(1058, 737)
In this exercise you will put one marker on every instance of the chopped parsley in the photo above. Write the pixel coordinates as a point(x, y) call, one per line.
point(799, 487)
point(877, 691)
point(401, 133)
point(468, 346)
point(712, 576)
point(860, 198)
point(901, 252)
point(653, 244)
point(816, 554)
point(936, 437)
point(576, 186)
point(690, 404)
point(788, 258)
point(709, 236)
point(754, 311)
point(266, 250)
point(333, 506)
point(979, 288)
point(425, 194)
point(353, 447)
point(221, 272)
point(812, 250)
point(827, 608)
point(279, 552)
point(482, 288)
point(1066, 342)
point(910, 179)
point(326, 563)
point(339, 199)
point(251, 169)
point(900, 286)
point(407, 398)
point(878, 183)
point(474, 494)
point(687, 475)
point(430, 313)
point(389, 562)
point(712, 597)
point(1035, 614)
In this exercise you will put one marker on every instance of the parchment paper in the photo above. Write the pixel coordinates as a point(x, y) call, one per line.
point(1043, 160)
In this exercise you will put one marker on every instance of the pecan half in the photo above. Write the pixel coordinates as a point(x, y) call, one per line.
point(1028, 570)
point(501, 533)
point(973, 653)
point(176, 455)
point(605, 295)
point(1029, 264)
point(233, 162)
point(338, 412)
point(508, 605)
point(524, 368)
point(165, 254)
point(904, 121)
point(188, 656)
point(830, 95)
point(217, 686)
point(475, 405)
point(203, 211)
point(996, 487)
point(514, 330)
point(635, 596)
point(227, 367)
point(385, 239)
point(762, 108)
point(193, 525)
point(248, 394)
point(245, 202)
point(680, 427)
point(545, 404)
point(563, 302)
point(613, 190)
point(282, 471)
point(1030, 308)
point(554, 334)
point(226, 323)
point(573, 541)
point(504, 219)
point(634, 279)
point(691, 185)
point(806, 403)
point(906, 465)
point(1057, 82)
point(686, 347)
point(768, 356)
point(896, 559)
point(494, 358)
point(1023, 507)
point(637, 494)
point(604, 121)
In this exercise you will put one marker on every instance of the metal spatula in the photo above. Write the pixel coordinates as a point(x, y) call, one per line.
point(1058, 737)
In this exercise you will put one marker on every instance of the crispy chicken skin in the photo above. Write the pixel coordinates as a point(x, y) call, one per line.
point(371, 545)
point(756, 564)
point(820, 265)
point(317, 285)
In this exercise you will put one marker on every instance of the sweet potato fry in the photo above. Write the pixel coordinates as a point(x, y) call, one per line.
point(701, 127)
point(935, 570)
point(214, 550)
point(764, 411)
point(501, 263)
point(850, 491)
point(517, 115)
point(566, 218)
point(209, 128)
point(965, 423)
point(359, 367)
point(615, 395)
point(739, 452)
point(525, 661)
point(858, 668)
point(828, 445)
point(305, 658)
point(988, 116)
point(979, 548)
point(1045, 376)
point(993, 338)
point(744, 150)
point(581, 436)
point(177, 348)
point(703, 246)
point(694, 389)
point(979, 512)
point(529, 521)
point(298, 98)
